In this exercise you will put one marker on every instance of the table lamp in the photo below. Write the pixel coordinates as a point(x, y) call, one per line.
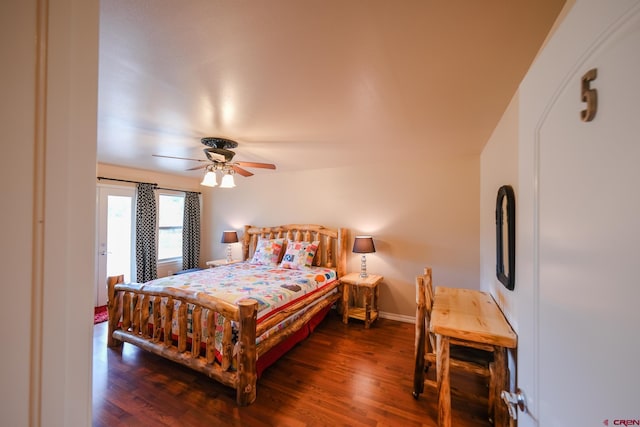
point(363, 245)
point(229, 237)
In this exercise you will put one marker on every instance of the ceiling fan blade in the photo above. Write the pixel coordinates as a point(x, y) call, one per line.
point(257, 165)
point(179, 158)
point(241, 171)
point(197, 167)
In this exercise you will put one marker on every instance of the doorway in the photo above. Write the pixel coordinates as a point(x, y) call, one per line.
point(115, 236)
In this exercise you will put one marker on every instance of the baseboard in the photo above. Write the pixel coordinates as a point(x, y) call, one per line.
point(391, 316)
point(397, 317)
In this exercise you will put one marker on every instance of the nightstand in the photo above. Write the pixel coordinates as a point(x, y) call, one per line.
point(369, 285)
point(219, 262)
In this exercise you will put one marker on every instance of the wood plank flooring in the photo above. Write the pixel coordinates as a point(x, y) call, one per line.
point(341, 375)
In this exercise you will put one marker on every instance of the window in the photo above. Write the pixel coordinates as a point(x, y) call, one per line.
point(170, 214)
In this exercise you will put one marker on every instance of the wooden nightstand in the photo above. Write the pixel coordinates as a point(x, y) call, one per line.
point(219, 262)
point(369, 284)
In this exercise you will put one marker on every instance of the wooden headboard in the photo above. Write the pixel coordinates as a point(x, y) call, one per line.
point(332, 252)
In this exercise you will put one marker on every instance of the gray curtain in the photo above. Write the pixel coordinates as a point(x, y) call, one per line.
point(191, 231)
point(146, 257)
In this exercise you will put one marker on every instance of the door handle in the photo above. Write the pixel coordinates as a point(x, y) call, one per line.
point(514, 401)
point(105, 252)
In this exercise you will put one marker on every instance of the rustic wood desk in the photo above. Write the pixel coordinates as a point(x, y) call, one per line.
point(465, 315)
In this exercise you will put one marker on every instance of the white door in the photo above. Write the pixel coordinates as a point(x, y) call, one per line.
point(115, 236)
point(584, 351)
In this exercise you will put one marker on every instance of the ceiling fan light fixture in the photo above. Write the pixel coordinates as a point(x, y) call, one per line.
point(227, 181)
point(209, 179)
point(219, 158)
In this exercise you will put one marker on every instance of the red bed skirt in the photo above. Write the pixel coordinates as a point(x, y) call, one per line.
point(278, 351)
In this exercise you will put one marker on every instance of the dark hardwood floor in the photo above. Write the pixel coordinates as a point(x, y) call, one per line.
point(341, 375)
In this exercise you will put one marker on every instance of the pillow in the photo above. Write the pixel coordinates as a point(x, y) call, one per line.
point(299, 255)
point(267, 251)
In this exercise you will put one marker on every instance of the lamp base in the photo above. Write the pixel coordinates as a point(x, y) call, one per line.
point(363, 267)
point(229, 257)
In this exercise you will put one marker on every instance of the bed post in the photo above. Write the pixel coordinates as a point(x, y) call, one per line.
point(342, 252)
point(246, 241)
point(113, 308)
point(247, 355)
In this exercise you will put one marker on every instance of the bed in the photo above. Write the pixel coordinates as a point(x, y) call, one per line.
point(232, 321)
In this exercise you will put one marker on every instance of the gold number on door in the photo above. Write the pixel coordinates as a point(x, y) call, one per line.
point(590, 96)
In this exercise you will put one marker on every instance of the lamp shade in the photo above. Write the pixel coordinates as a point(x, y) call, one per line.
point(227, 181)
point(209, 179)
point(363, 245)
point(229, 237)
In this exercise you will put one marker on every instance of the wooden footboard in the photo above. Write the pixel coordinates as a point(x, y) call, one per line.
point(129, 322)
point(130, 316)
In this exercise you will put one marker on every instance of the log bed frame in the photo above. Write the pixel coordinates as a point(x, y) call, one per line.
point(126, 316)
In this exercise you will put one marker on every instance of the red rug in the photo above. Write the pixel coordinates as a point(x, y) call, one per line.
point(100, 314)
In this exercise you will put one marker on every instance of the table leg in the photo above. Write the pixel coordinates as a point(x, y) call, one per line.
point(442, 376)
point(375, 298)
point(345, 303)
point(367, 307)
point(418, 373)
point(501, 382)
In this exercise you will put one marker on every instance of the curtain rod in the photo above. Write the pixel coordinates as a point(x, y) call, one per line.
point(151, 183)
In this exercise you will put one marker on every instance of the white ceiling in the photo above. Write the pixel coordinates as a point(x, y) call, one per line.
point(309, 83)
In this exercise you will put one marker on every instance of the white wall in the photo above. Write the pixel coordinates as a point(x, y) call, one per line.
point(72, 96)
point(420, 211)
point(17, 105)
point(498, 167)
point(48, 290)
point(162, 179)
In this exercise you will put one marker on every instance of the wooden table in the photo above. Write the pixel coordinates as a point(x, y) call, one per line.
point(464, 315)
point(369, 312)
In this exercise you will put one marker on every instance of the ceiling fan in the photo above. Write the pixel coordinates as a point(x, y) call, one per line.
point(219, 158)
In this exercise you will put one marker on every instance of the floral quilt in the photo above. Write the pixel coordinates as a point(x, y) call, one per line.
point(272, 287)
